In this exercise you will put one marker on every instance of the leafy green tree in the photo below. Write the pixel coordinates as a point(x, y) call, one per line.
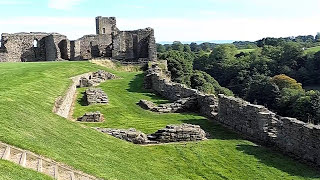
point(284, 81)
point(317, 38)
point(194, 47)
point(223, 52)
point(178, 46)
point(160, 48)
point(263, 91)
point(187, 48)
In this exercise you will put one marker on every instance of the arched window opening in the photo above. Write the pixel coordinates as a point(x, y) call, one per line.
point(35, 43)
point(103, 30)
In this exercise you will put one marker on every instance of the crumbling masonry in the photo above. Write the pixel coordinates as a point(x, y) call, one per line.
point(108, 42)
point(289, 135)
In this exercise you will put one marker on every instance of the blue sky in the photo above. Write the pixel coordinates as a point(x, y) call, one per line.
point(184, 20)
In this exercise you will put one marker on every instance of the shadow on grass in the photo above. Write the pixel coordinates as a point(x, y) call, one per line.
point(82, 101)
point(215, 130)
point(279, 161)
point(136, 85)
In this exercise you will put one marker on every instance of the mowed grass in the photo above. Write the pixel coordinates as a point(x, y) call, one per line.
point(245, 50)
point(28, 91)
point(9, 171)
point(312, 50)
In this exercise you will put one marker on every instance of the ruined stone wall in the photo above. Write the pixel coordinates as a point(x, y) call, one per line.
point(93, 46)
point(106, 25)
point(109, 42)
point(20, 47)
point(289, 135)
point(135, 45)
point(26, 47)
point(161, 84)
point(57, 47)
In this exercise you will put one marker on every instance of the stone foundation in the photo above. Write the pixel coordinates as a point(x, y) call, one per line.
point(130, 135)
point(172, 133)
point(63, 104)
point(181, 105)
point(95, 96)
point(91, 117)
point(178, 133)
point(96, 78)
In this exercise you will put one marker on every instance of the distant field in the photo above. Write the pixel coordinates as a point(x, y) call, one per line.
point(313, 50)
point(245, 50)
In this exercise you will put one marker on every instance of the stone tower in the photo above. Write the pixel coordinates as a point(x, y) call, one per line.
point(105, 25)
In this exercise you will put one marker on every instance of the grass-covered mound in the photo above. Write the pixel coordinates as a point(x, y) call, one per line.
point(28, 91)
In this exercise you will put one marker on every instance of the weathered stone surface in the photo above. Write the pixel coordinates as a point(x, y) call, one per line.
point(95, 96)
point(159, 81)
point(131, 135)
point(35, 46)
point(109, 42)
point(91, 117)
point(96, 78)
point(181, 105)
point(291, 136)
point(177, 133)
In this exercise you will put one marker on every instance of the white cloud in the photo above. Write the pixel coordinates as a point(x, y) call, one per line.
point(63, 4)
point(170, 29)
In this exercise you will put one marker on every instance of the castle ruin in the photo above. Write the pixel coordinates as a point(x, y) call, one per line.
point(108, 42)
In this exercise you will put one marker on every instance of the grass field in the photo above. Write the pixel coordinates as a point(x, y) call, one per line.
point(28, 91)
point(245, 50)
point(313, 50)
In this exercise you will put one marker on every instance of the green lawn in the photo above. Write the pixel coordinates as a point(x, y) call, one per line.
point(28, 91)
point(313, 49)
point(245, 50)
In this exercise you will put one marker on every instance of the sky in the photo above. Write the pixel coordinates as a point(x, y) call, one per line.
point(181, 20)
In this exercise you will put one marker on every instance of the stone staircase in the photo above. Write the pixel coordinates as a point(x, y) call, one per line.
point(41, 164)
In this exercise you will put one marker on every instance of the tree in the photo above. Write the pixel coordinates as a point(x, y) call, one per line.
point(317, 38)
point(264, 92)
point(160, 48)
point(223, 52)
point(284, 81)
point(194, 47)
point(178, 46)
point(187, 48)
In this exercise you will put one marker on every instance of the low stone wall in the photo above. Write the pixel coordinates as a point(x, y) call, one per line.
point(91, 117)
point(130, 135)
point(159, 81)
point(171, 133)
point(181, 105)
point(63, 104)
point(289, 135)
point(178, 133)
point(95, 96)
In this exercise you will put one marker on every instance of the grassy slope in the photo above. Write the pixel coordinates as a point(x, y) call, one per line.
point(313, 50)
point(9, 171)
point(245, 50)
point(28, 90)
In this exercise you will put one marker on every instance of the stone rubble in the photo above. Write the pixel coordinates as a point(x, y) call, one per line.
point(172, 133)
point(181, 105)
point(95, 96)
point(91, 117)
point(178, 133)
point(96, 78)
point(130, 135)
